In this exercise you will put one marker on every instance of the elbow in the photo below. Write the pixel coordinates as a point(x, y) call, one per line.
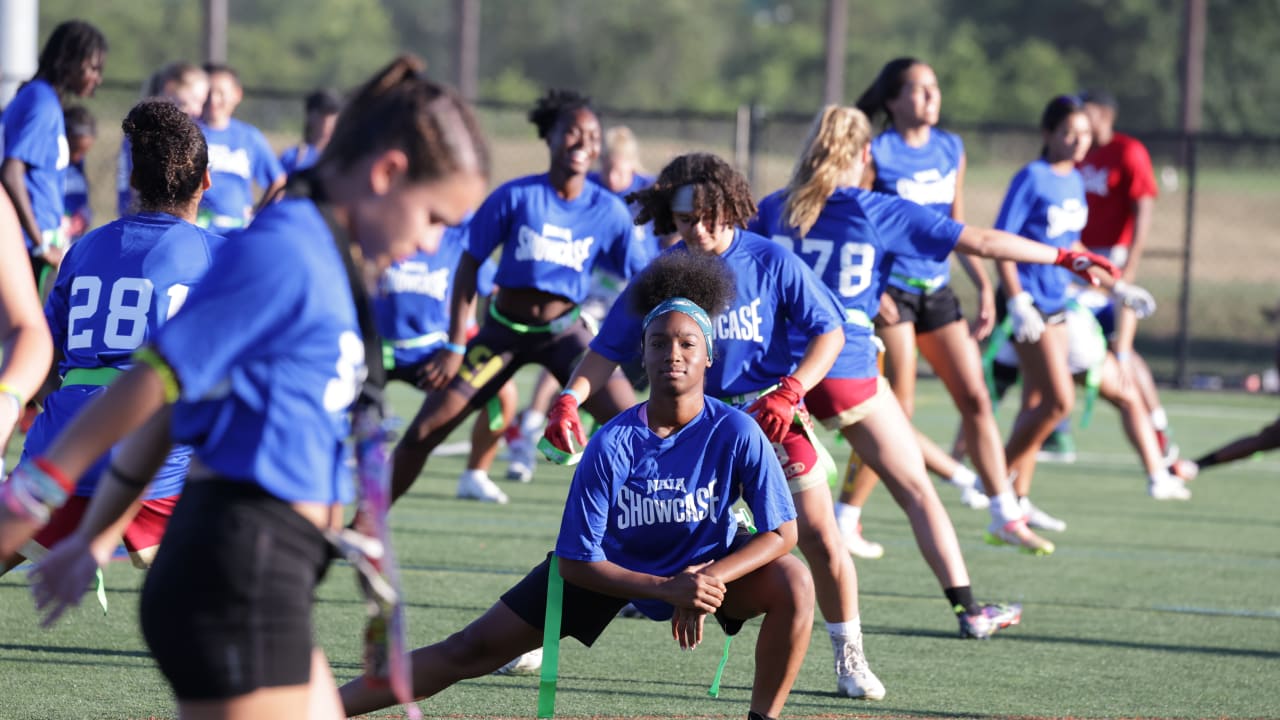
point(789, 535)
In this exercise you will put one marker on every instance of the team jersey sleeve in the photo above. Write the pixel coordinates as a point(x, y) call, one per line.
point(247, 298)
point(586, 510)
point(621, 332)
point(58, 306)
point(913, 230)
point(627, 254)
point(1017, 205)
point(1142, 177)
point(764, 486)
point(31, 130)
point(266, 166)
point(490, 225)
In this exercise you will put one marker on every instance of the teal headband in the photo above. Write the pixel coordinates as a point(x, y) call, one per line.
point(688, 307)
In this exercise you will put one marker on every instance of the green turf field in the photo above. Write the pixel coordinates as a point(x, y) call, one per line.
point(1147, 609)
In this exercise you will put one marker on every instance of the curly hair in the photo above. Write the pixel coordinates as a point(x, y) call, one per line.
point(704, 279)
point(721, 196)
point(64, 54)
point(169, 154)
point(552, 106)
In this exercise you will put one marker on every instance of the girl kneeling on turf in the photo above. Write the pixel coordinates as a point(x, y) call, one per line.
point(682, 452)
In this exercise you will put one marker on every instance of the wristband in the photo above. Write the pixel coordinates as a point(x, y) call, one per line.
point(1123, 356)
point(455, 348)
point(152, 359)
point(53, 471)
point(577, 397)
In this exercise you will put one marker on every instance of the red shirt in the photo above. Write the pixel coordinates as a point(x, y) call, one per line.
point(1115, 175)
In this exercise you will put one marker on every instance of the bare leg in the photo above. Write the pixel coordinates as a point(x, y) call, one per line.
point(835, 579)
point(1047, 397)
point(1133, 411)
point(484, 442)
point(900, 370)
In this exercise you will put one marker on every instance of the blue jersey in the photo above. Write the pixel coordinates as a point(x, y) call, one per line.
point(411, 307)
point(268, 355)
point(776, 291)
point(299, 157)
point(642, 235)
point(927, 176)
point(658, 505)
point(856, 239)
point(238, 157)
point(552, 244)
point(35, 133)
point(116, 287)
point(75, 193)
point(1051, 208)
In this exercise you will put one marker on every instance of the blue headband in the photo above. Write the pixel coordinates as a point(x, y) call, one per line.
point(688, 307)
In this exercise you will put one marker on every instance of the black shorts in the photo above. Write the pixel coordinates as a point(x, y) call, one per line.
point(1002, 311)
point(927, 312)
point(586, 613)
point(226, 606)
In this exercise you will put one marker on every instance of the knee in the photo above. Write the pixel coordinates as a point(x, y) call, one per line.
point(973, 402)
point(796, 584)
point(471, 653)
point(820, 542)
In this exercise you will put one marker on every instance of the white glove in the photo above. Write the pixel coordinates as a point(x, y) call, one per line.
point(1135, 298)
point(1027, 323)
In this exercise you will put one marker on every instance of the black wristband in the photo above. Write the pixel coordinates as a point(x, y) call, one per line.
point(129, 480)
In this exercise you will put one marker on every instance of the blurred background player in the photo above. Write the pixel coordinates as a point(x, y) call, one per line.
point(239, 157)
point(82, 131)
point(35, 138)
point(187, 86)
point(116, 286)
point(621, 174)
point(26, 352)
point(320, 113)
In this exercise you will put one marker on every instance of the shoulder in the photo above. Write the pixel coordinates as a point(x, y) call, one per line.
point(728, 419)
point(885, 141)
point(950, 141)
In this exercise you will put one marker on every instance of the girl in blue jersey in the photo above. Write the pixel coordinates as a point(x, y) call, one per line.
point(82, 132)
point(916, 161)
point(239, 156)
point(187, 86)
point(116, 287)
point(1045, 202)
point(649, 518)
point(35, 142)
point(853, 236)
point(553, 230)
point(25, 349)
point(321, 112)
point(709, 203)
point(258, 373)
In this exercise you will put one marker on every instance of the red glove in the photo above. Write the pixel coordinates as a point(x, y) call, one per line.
point(563, 424)
point(1079, 263)
point(776, 410)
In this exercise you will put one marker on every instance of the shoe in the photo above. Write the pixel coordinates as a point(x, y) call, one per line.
point(631, 612)
point(974, 498)
point(476, 485)
point(991, 617)
point(527, 664)
point(1039, 519)
point(854, 678)
point(859, 546)
point(1173, 488)
point(1059, 447)
point(522, 459)
point(1017, 534)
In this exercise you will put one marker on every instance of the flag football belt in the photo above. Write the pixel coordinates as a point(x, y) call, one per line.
point(746, 397)
point(853, 316)
point(928, 286)
point(209, 219)
point(99, 376)
point(389, 347)
point(560, 324)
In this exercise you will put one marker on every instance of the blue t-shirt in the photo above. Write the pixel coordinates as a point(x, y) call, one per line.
point(75, 193)
point(927, 176)
point(116, 287)
point(35, 133)
point(641, 235)
point(269, 358)
point(856, 239)
point(299, 157)
point(776, 291)
point(411, 308)
point(1051, 208)
point(552, 244)
point(238, 157)
point(658, 505)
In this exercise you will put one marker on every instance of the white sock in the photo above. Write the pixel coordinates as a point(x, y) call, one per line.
point(845, 630)
point(531, 422)
point(1005, 508)
point(847, 515)
point(964, 477)
point(470, 474)
point(1159, 420)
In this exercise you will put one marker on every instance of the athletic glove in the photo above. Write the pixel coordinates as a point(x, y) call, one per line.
point(776, 409)
point(1027, 323)
point(563, 424)
point(1134, 298)
point(35, 488)
point(1079, 262)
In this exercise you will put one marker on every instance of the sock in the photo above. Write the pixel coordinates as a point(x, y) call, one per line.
point(531, 422)
point(473, 474)
point(1159, 420)
point(848, 515)
point(845, 630)
point(964, 477)
point(961, 599)
point(1005, 508)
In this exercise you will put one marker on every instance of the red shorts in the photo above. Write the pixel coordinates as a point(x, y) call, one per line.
point(805, 463)
point(143, 532)
point(838, 402)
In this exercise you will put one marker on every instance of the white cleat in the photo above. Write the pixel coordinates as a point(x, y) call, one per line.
point(854, 678)
point(522, 459)
point(526, 664)
point(476, 485)
point(974, 498)
point(1039, 519)
point(859, 546)
point(1172, 489)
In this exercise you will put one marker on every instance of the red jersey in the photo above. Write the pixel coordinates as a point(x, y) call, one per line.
point(1115, 175)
